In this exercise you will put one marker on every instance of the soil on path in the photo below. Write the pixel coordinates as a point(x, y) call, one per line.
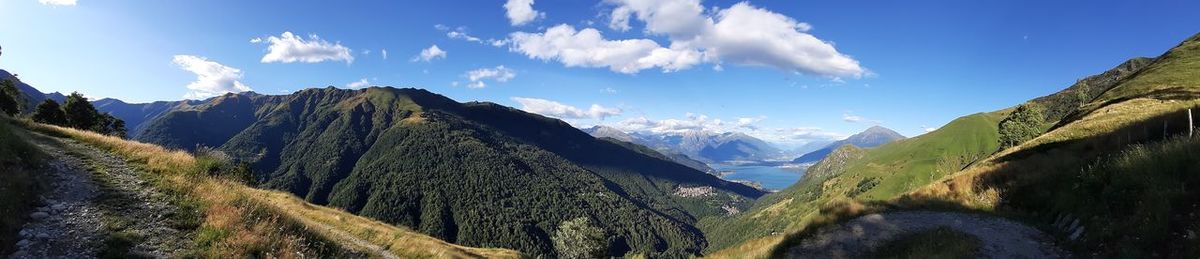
point(1001, 238)
point(98, 204)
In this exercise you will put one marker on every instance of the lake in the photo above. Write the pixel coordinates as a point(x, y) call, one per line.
point(771, 177)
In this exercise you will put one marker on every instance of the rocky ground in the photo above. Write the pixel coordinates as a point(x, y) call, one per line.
point(98, 205)
point(1001, 238)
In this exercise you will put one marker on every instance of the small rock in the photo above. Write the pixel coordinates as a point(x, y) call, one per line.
point(43, 235)
point(24, 232)
point(59, 206)
point(23, 243)
point(38, 215)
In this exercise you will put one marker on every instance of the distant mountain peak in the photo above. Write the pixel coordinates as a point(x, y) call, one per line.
point(871, 137)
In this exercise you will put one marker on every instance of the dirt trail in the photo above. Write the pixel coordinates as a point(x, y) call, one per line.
point(97, 203)
point(1001, 238)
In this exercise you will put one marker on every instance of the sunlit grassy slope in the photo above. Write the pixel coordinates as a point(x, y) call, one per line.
point(238, 221)
point(1117, 164)
point(1114, 161)
point(873, 174)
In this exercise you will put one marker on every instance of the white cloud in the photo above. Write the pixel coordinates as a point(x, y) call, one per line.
point(521, 12)
point(384, 53)
point(289, 48)
point(608, 90)
point(749, 125)
point(741, 34)
point(358, 84)
point(212, 78)
point(927, 128)
point(852, 118)
point(58, 2)
point(562, 111)
point(749, 122)
point(431, 53)
point(498, 74)
point(587, 48)
point(459, 33)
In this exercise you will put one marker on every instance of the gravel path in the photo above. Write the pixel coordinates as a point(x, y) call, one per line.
point(1001, 238)
point(95, 196)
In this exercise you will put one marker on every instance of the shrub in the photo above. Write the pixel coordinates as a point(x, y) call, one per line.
point(80, 113)
point(49, 112)
point(9, 98)
point(1022, 124)
point(577, 238)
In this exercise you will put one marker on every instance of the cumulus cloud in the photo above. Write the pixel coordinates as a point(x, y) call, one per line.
point(358, 84)
point(562, 111)
point(690, 122)
point(498, 74)
point(431, 53)
point(521, 12)
point(588, 48)
point(741, 34)
point(289, 48)
point(384, 53)
point(58, 2)
point(212, 78)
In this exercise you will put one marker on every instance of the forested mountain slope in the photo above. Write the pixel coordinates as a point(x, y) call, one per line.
point(476, 174)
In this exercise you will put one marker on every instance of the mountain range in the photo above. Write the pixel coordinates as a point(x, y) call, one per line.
point(699, 145)
point(871, 137)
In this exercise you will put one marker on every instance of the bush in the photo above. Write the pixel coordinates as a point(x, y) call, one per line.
point(1021, 125)
point(577, 238)
point(9, 98)
point(80, 113)
point(49, 112)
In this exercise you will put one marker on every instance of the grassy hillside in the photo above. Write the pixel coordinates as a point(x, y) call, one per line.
point(20, 186)
point(851, 173)
point(1120, 164)
point(234, 220)
point(475, 174)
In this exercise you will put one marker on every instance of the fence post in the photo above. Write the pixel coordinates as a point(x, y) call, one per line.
point(1191, 127)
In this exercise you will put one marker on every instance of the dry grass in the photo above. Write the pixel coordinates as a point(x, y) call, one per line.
point(238, 221)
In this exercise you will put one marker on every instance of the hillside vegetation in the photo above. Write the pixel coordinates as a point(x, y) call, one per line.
point(21, 185)
point(851, 173)
point(476, 174)
point(233, 220)
point(1121, 169)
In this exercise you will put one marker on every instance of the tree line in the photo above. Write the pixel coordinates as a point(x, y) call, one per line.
point(75, 112)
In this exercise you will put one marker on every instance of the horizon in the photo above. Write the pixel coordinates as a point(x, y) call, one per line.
point(866, 77)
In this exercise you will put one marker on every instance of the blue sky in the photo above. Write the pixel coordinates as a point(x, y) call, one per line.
point(906, 65)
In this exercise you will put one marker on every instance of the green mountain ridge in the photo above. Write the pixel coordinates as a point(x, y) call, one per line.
point(477, 174)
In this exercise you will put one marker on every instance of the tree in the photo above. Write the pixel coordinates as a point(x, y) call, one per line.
point(577, 238)
point(80, 113)
point(10, 98)
point(1021, 125)
point(107, 124)
point(49, 112)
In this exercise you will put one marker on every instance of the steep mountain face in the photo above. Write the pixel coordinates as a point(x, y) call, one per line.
point(136, 115)
point(477, 174)
point(872, 137)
